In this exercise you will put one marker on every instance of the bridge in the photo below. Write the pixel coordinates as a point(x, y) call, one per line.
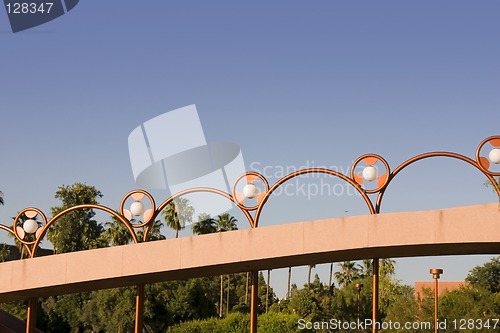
point(453, 231)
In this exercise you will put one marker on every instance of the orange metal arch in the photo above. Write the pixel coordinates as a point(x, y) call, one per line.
point(308, 171)
point(420, 157)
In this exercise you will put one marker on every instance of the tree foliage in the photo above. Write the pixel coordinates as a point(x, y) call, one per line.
point(115, 233)
point(177, 214)
point(205, 225)
point(486, 276)
point(349, 271)
point(76, 230)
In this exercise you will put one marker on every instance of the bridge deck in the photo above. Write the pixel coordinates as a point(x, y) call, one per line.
point(455, 231)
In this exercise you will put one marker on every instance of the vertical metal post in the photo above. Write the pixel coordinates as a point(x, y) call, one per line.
point(435, 305)
point(139, 309)
point(254, 302)
point(31, 315)
point(375, 276)
point(436, 272)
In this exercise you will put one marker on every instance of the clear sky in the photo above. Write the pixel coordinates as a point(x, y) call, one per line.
point(294, 83)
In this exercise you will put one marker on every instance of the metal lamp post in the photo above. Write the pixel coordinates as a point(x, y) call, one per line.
point(436, 272)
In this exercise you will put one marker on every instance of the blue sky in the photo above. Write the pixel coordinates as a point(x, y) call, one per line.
point(293, 83)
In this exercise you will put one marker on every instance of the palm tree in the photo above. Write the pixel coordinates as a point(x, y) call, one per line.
point(367, 267)
point(288, 290)
point(330, 285)
point(116, 233)
point(4, 252)
point(386, 267)
point(310, 267)
point(267, 288)
point(172, 218)
point(154, 233)
point(496, 187)
point(177, 213)
point(225, 222)
point(1, 198)
point(348, 273)
point(205, 225)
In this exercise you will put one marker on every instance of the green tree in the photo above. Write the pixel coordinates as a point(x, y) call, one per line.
point(4, 252)
point(101, 317)
point(205, 225)
point(347, 274)
point(172, 302)
point(469, 302)
point(74, 231)
point(496, 186)
point(64, 313)
point(77, 230)
point(154, 234)
point(115, 233)
point(177, 214)
point(289, 283)
point(226, 222)
point(386, 267)
point(305, 304)
point(404, 309)
point(486, 276)
point(309, 271)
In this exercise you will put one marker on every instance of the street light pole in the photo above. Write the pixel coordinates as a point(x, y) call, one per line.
point(31, 315)
point(254, 301)
point(139, 309)
point(436, 272)
point(375, 280)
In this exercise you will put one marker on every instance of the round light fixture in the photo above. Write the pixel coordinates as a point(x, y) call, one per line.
point(250, 191)
point(30, 226)
point(370, 173)
point(137, 208)
point(495, 155)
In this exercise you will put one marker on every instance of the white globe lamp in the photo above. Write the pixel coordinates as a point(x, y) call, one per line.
point(494, 155)
point(137, 208)
point(370, 173)
point(30, 226)
point(250, 191)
